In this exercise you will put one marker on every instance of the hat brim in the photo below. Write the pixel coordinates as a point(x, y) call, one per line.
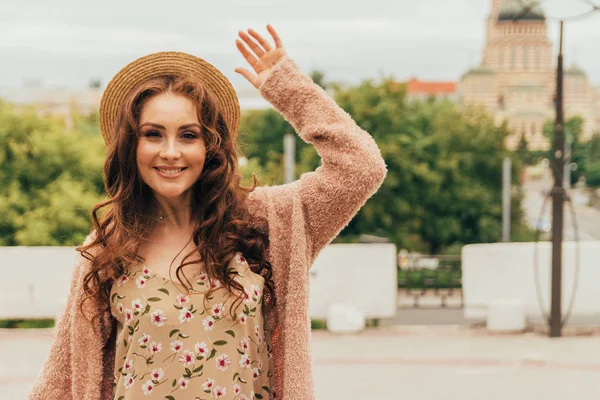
point(167, 63)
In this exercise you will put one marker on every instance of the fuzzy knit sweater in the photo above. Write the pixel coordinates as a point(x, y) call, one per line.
point(301, 218)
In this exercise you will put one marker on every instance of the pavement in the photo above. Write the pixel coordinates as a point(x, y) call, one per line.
point(400, 362)
point(587, 219)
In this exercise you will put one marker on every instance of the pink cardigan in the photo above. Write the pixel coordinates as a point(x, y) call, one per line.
point(302, 217)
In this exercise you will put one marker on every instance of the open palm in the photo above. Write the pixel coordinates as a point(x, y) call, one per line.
point(262, 56)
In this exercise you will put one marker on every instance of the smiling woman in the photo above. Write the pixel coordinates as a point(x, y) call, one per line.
point(171, 149)
point(234, 323)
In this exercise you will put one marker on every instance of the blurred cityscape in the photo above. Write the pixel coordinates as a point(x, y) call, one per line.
point(451, 298)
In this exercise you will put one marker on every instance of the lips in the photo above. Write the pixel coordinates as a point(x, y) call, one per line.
point(170, 173)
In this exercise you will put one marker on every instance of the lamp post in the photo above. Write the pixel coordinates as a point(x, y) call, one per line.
point(558, 157)
point(558, 199)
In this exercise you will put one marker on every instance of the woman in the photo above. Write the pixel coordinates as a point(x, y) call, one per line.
point(233, 322)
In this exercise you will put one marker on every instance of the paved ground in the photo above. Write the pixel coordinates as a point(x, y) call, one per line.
point(587, 218)
point(426, 363)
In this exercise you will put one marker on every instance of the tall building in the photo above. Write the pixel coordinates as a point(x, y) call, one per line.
point(517, 77)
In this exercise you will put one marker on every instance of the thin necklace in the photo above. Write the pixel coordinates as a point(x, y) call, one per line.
point(161, 216)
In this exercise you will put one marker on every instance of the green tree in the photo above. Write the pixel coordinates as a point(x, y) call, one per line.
point(50, 177)
point(443, 188)
point(574, 133)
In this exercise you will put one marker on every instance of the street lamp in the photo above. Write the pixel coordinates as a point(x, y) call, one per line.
point(558, 191)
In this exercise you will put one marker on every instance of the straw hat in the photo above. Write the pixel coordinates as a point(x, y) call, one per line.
point(167, 63)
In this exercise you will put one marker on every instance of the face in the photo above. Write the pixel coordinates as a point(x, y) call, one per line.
point(170, 151)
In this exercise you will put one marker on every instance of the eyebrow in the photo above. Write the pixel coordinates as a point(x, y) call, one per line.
point(152, 124)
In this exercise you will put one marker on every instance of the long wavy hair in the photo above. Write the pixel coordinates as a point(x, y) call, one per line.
point(218, 208)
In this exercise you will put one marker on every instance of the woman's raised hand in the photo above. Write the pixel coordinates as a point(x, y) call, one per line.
point(262, 56)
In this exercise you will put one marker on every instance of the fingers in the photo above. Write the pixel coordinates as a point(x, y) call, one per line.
point(247, 55)
point(248, 75)
point(252, 44)
point(265, 45)
point(275, 36)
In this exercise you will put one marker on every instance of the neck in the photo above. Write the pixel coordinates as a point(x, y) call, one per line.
point(173, 214)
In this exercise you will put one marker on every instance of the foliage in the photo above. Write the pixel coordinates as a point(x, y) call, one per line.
point(26, 323)
point(50, 177)
point(592, 158)
point(443, 188)
point(573, 132)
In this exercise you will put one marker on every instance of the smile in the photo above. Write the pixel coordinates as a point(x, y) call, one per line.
point(170, 173)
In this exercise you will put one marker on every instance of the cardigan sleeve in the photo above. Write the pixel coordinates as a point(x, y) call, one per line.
point(55, 379)
point(352, 168)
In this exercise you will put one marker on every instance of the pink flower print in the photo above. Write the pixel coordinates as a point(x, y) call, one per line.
point(256, 329)
point(201, 349)
point(148, 387)
point(128, 381)
point(158, 318)
point(255, 289)
point(245, 361)
point(144, 340)
point(122, 280)
point(146, 271)
point(185, 315)
point(208, 384)
point(244, 346)
point(187, 358)
point(120, 307)
point(219, 391)
point(155, 348)
point(236, 389)
point(128, 365)
point(243, 318)
point(223, 362)
point(252, 395)
point(216, 283)
point(240, 258)
point(260, 339)
point(217, 310)
point(128, 316)
point(259, 364)
point(137, 305)
point(176, 346)
point(247, 298)
point(140, 282)
point(244, 397)
point(202, 277)
point(157, 374)
point(255, 373)
point(182, 299)
point(208, 323)
point(183, 383)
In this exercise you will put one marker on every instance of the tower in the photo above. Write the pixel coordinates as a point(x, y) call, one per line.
point(516, 79)
point(517, 46)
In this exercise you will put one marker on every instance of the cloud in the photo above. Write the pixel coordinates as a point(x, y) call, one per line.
point(75, 40)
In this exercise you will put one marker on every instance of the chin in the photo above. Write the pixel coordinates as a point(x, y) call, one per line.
point(170, 194)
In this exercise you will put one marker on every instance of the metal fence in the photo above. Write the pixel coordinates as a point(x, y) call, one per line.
point(426, 281)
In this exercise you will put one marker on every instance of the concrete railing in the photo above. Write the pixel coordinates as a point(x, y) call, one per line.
point(36, 280)
point(506, 271)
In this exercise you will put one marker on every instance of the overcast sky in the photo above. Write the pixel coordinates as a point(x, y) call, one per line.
point(69, 42)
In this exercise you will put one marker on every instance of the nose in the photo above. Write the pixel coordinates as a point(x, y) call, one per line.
point(170, 150)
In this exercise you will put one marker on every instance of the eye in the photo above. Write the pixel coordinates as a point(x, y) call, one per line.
point(151, 133)
point(190, 135)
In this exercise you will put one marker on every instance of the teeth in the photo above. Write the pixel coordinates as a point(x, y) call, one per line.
point(170, 171)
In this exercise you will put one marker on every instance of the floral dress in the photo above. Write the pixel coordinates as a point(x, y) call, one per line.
point(169, 346)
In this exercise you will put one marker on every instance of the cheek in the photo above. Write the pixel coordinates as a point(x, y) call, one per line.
point(143, 155)
point(197, 157)
point(143, 158)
